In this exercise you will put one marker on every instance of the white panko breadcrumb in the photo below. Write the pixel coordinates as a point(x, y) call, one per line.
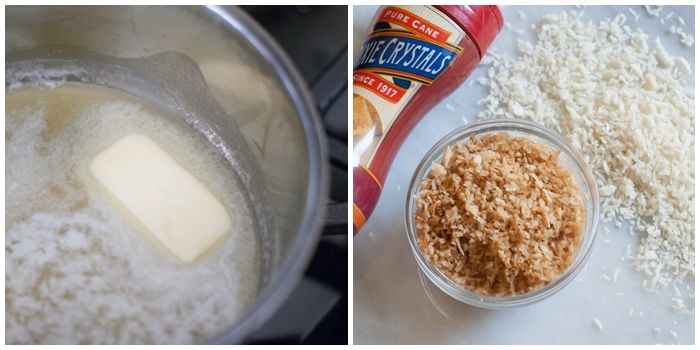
point(623, 102)
point(499, 215)
point(598, 325)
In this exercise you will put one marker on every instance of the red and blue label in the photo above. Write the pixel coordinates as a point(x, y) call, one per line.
point(405, 55)
point(417, 51)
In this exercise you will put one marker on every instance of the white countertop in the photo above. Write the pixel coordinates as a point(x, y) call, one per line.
point(393, 305)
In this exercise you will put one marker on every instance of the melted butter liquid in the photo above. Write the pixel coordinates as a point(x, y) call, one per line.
point(76, 269)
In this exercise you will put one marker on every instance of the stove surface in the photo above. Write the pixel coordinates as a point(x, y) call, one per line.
point(315, 38)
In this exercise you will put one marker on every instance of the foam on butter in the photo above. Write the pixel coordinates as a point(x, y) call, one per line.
point(173, 206)
point(77, 271)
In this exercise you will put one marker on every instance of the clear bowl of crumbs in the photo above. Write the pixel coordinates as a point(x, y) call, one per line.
point(502, 213)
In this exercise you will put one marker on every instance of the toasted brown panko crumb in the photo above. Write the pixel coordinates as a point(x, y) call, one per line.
point(499, 215)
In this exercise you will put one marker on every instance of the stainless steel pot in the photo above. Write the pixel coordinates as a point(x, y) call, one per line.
point(250, 78)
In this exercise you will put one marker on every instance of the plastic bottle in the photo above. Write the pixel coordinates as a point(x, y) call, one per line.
point(413, 57)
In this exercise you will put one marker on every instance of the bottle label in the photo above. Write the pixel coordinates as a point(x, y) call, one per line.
point(409, 47)
point(405, 56)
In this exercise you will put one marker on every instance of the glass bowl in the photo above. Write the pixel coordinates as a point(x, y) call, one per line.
point(569, 158)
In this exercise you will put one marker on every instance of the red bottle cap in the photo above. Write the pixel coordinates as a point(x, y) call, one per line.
point(481, 22)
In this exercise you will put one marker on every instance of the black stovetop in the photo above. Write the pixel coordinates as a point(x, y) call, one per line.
point(315, 37)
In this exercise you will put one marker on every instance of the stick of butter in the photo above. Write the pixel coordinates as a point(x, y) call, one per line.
point(173, 206)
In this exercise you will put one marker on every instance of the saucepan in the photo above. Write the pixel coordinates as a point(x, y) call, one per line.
point(243, 92)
